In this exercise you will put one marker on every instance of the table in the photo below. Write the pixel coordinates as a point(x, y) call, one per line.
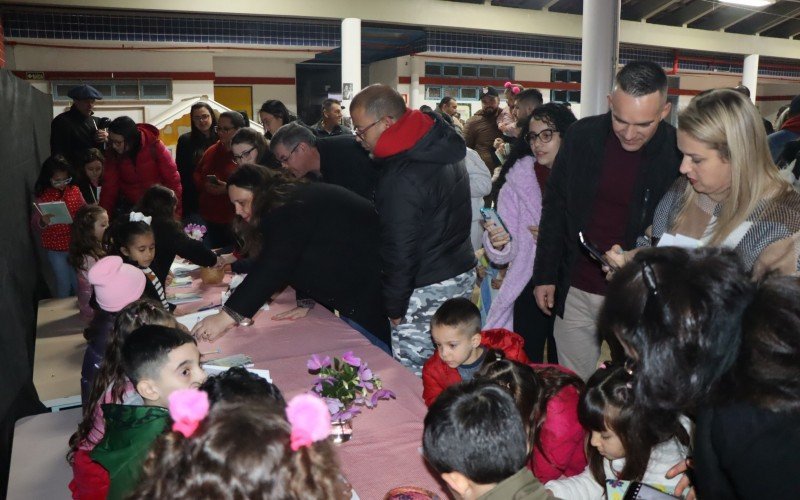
point(385, 450)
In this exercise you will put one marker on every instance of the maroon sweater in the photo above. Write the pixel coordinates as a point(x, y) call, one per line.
point(609, 216)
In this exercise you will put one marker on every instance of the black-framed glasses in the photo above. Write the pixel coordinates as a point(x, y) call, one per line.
point(285, 159)
point(545, 136)
point(360, 132)
point(238, 158)
point(219, 129)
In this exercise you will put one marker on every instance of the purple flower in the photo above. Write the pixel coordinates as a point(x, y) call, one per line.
point(381, 394)
point(351, 359)
point(347, 414)
point(365, 377)
point(334, 405)
point(317, 363)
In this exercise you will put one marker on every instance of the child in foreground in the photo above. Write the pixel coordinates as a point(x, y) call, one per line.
point(246, 448)
point(474, 438)
point(547, 398)
point(624, 444)
point(85, 249)
point(110, 385)
point(461, 347)
point(158, 360)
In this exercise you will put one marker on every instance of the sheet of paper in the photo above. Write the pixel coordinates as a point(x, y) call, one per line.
point(678, 240)
point(183, 298)
point(189, 320)
point(58, 209)
point(181, 282)
point(180, 269)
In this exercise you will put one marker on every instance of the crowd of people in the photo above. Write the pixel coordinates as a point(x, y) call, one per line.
point(492, 258)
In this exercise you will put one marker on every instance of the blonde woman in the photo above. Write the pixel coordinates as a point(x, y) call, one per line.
point(731, 194)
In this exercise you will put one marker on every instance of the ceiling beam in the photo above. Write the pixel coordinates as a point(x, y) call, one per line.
point(765, 18)
point(645, 9)
point(722, 17)
point(685, 15)
point(786, 29)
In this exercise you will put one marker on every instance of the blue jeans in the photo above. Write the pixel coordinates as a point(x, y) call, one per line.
point(66, 281)
point(372, 338)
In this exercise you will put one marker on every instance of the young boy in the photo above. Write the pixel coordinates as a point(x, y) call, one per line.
point(158, 360)
point(461, 347)
point(474, 438)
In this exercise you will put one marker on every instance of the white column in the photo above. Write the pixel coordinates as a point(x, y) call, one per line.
point(351, 61)
point(599, 54)
point(414, 97)
point(750, 75)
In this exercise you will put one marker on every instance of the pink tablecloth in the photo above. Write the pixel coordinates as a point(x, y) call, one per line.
point(385, 451)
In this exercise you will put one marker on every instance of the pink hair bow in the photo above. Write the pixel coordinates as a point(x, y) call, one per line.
point(515, 89)
point(187, 407)
point(310, 420)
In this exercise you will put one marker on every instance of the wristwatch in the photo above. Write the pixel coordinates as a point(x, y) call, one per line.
point(238, 318)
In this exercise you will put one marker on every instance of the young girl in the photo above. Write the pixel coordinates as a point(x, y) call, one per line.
point(247, 449)
point(132, 238)
point(160, 204)
point(86, 248)
point(55, 184)
point(547, 397)
point(90, 175)
point(625, 445)
point(110, 385)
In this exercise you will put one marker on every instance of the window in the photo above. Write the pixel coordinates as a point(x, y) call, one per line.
point(566, 76)
point(120, 90)
point(453, 70)
point(436, 92)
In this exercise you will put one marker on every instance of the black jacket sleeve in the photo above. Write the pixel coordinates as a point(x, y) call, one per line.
point(283, 233)
point(553, 223)
point(171, 241)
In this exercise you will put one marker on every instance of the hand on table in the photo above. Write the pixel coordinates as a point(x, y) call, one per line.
point(225, 259)
point(685, 484)
point(291, 314)
point(213, 327)
point(545, 298)
point(498, 236)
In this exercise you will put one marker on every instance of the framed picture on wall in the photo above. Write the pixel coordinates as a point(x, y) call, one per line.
point(465, 110)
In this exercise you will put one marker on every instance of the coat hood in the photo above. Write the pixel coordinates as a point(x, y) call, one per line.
point(149, 133)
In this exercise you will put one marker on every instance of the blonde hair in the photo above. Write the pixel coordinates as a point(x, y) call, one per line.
point(727, 122)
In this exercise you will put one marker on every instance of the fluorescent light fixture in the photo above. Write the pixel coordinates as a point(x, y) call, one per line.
point(749, 3)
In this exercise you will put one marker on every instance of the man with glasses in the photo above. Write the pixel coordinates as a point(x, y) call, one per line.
point(333, 160)
point(331, 122)
point(423, 202)
point(609, 175)
point(76, 130)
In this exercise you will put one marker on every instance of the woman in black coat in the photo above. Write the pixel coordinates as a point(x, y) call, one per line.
point(320, 239)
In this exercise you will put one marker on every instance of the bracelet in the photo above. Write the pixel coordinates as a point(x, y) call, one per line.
point(238, 318)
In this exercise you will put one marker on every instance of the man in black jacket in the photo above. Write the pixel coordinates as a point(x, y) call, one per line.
point(423, 202)
point(335, 160)
point(75, 130)
point(608, 177)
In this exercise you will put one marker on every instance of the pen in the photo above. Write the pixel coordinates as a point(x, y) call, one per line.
point(209, 306)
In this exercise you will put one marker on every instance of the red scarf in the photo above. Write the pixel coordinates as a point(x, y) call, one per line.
point(792, 124)
point(404, 134)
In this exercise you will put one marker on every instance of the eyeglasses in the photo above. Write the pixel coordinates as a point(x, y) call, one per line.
point(239, 158)
point(62, 182)
point(224, 129)
point(361, 131)
point(285, 159)
point(545, 136)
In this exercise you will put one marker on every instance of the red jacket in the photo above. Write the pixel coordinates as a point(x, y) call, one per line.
point(437, 376)
point(217, 160)
point(56, 237)
point(154, 165)
point(562, 436)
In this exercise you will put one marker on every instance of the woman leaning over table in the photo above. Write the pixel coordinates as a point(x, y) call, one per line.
point(320, 239)
point(731, 194)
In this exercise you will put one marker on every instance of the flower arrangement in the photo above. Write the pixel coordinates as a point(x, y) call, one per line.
point(344, 383)
point(195, 231)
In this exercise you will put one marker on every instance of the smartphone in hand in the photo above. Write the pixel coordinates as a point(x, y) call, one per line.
point(491, 215)
point(594, 252)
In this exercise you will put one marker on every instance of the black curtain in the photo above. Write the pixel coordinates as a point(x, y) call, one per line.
point(24, 145)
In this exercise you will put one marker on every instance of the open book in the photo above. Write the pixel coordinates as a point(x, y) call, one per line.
point(58, 209)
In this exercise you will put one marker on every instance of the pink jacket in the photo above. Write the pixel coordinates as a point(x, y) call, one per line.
point(562, 436)
point(519, 204)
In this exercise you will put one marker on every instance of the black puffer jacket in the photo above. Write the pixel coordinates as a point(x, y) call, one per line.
point(422, 198)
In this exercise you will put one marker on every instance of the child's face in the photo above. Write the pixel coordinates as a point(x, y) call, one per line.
point(181, 371)
point(100, 226)
point(60, 180)
point(141, 250)
point(608, 444)
point(94, 169)
point(455, 346)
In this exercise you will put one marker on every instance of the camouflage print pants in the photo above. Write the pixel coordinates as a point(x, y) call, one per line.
point(411, 340)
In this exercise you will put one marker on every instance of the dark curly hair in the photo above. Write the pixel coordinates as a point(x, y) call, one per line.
point(238, 384)
point(83, 242)
point(241, 450)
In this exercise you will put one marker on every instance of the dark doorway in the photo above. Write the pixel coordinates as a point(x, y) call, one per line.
point(314, 83)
